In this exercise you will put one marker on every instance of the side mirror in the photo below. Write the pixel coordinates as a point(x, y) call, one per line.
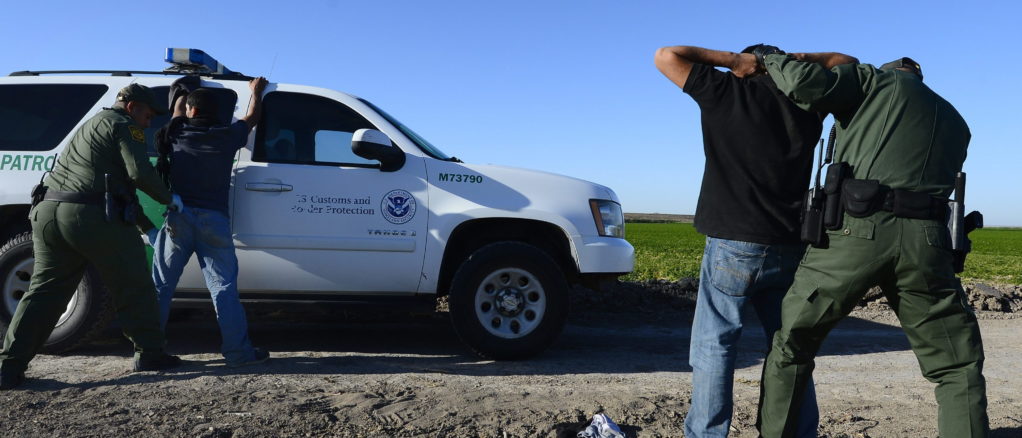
point(375, 145)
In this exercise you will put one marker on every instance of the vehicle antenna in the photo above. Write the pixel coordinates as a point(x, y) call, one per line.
point(272, 65)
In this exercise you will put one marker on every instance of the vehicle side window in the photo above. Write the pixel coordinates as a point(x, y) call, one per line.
point(226, 99)
point(308, 129)
point(38, 117)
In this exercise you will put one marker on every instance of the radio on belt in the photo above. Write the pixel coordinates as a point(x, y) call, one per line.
point(195, 61)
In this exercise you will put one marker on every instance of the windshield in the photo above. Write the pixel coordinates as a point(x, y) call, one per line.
point(426, 146)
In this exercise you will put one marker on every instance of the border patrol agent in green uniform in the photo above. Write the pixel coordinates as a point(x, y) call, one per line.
point(904, 145)
point(71, 228)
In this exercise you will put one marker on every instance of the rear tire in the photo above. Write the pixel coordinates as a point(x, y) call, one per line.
point(88, 313)
point(508, 300)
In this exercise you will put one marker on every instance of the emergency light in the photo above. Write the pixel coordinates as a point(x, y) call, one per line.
point(194, 61)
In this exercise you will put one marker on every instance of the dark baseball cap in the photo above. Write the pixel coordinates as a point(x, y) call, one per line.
point(906, 63)
point(140, 93)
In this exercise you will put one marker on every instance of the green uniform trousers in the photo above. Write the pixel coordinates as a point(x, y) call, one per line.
point(67, 237)
point(910, 259)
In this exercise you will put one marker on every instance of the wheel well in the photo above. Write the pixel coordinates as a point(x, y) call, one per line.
point(13, 220)
point(474, 234)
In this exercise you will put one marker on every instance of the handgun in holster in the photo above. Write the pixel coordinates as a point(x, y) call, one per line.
point(960, 224)
point(38, 193)
point(39, 190)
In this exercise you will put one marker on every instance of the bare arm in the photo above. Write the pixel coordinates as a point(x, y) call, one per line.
point(828, 60)
point(676, 62)
point(255, 105)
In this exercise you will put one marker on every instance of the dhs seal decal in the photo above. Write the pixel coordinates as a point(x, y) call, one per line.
point(398, 206)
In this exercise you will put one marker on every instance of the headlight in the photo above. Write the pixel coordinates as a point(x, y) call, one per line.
point(610, 221)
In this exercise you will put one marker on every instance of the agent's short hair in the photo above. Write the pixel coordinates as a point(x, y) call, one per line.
point(203, 101)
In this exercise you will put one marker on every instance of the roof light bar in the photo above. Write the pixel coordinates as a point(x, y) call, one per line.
point(195, 61)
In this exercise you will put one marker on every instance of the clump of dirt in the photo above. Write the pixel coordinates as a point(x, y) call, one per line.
point(1000, 298)
point(984, 297)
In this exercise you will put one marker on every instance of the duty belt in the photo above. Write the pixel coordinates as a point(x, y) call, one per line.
point(863, 197)
point(74, 197)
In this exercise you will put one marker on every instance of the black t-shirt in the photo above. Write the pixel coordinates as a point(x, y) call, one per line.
point(759, 157)
point(201, 160)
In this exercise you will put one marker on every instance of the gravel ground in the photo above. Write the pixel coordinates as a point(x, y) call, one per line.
point(623, 353)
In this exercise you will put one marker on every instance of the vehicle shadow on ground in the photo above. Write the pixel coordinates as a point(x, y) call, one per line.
point(328, 343)
point(1006, 432)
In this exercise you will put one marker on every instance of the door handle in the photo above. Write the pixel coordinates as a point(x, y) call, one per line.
point(268, 187)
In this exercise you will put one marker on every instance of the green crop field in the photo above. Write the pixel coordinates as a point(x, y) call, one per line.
point(665, 251)
point(996, 256)
point(675, 250)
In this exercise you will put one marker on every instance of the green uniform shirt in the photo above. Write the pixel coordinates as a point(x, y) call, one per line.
point(110, 142)
point(890, 126)
point(894, 129)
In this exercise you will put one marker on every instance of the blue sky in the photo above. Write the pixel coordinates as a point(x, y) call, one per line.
point(562, 86)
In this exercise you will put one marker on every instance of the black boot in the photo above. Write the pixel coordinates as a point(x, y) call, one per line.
point(157, 363)
point(11, 380)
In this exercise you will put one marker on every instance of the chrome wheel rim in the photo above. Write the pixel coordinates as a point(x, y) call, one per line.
point(510, 303)
point(16, 286)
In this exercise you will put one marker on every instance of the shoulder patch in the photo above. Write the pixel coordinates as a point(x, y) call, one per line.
point(137, 134)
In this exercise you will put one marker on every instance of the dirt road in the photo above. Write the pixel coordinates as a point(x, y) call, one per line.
point(410, 377)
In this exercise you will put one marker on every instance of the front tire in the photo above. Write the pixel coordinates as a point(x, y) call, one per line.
point(508, 300)
point(88, 312)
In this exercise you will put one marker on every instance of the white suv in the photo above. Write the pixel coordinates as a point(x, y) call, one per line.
point(334, 200)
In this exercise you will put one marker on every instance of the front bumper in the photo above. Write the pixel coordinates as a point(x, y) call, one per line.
point(608, 255)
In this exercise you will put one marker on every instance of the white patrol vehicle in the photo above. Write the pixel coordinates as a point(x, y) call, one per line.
point(334, 200)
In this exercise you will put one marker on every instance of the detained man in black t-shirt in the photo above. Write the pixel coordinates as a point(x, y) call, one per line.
point(759, 157)
point(202, 151)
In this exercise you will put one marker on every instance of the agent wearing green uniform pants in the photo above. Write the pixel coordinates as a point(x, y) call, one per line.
point(71, 230)
point(904, 145)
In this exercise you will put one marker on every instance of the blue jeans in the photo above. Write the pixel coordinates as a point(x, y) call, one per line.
point(207, 233)
point(735, 275)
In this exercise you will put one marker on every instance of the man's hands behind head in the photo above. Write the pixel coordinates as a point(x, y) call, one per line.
point(745, 65)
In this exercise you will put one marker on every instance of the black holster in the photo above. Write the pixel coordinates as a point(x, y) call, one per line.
point(963, 246)
point(812, 219)
point(38, 193)
point(833, 211)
